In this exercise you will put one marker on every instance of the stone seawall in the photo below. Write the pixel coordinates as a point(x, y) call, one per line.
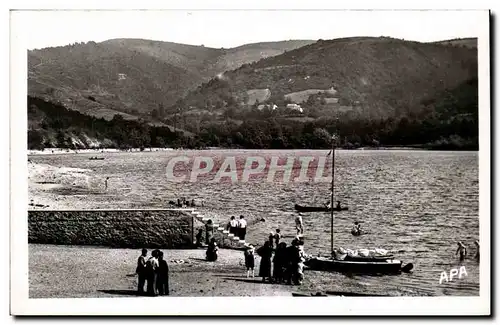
point(115, 228)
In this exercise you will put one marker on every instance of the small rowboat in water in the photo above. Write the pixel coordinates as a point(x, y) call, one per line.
point(96, 158)
point(302, 208)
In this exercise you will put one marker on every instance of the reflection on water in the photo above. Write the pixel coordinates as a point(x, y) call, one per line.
point(417, 204)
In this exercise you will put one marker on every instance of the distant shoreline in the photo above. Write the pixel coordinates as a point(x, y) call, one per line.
point(61, 151)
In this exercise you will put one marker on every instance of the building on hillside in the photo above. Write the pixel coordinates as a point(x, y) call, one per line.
point(269, 106)
point(295, 107)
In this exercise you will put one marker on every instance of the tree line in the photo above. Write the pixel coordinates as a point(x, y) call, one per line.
point(449, 122)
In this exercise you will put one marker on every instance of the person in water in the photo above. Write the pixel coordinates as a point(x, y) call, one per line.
point(356, 229)
point(477, 250)
point(338, 205)
point(462, 250)
point(106, 184)
point(299, 225)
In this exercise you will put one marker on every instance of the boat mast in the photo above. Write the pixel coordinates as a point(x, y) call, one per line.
point(331, 199)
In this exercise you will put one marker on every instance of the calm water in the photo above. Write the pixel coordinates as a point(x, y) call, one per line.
point(417, 204)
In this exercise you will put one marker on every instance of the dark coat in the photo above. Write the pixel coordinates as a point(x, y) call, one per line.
point(266, 254)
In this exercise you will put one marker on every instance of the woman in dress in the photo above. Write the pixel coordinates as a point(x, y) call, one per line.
point(266, 253)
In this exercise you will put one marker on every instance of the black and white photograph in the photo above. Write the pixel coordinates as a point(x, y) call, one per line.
point(260, 157)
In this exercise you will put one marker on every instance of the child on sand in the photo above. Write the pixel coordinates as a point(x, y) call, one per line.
point(250, 260)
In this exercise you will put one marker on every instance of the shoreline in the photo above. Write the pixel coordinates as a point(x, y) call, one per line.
point(61, 151)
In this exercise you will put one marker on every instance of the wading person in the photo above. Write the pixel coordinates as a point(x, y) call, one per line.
point(266, 253)
point(242, 228)
point(162, 276)
point(151, 268)
point(141, 271)
point(462, 250)
point(250, 260)
point(212, 251)
point(299, 225)
point(477, 250)
point(356, 229)
point(106, 184)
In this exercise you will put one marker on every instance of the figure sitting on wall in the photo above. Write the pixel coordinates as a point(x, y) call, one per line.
point(212, 251)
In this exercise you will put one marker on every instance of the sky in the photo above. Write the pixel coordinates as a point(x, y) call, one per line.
point(232, 28)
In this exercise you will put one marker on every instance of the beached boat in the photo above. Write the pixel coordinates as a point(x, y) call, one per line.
point(302, 208)
point(378, 265)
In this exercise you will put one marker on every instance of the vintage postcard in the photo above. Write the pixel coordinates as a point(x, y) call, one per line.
point(183, 161)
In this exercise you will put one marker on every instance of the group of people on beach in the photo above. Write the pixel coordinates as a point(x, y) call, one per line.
point(183, 202)
point(279, 263)
point(462, 250)
point(153, 272)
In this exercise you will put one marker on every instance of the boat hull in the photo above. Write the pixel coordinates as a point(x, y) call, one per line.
point(302, 208)
point(387, 266)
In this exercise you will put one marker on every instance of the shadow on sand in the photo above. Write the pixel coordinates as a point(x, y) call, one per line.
point(198, 259)
point(254, 280)
point(123, 292)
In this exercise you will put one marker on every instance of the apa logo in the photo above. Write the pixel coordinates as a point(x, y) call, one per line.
point(453, 273)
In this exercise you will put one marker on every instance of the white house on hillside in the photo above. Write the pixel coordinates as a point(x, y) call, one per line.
point(262, 106)
point(295, 107)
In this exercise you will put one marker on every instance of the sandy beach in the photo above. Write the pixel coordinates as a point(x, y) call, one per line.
point(389, 201)
point(104, 272)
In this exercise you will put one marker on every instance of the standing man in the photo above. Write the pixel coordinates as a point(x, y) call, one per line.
point(242, 228)
point(141, 271)
point(162, 277)
point(299, 225)
point(209, 231)
point(151, 269)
